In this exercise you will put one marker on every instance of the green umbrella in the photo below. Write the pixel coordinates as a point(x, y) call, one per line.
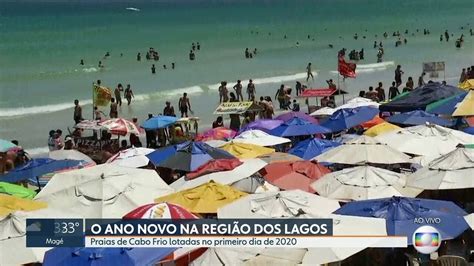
point(401, 95)
point(470, 146)
point(17, 191)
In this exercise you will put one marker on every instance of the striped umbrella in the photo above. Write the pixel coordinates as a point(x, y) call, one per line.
point(120, 126)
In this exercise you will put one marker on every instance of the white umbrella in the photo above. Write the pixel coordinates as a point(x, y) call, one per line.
point(428, 140)
point(260, 138)
point(454, 170)
point(254, 184)
point(246, 169)
point(325, 111)
point(215, 143)
point(70, 155)
point(103, 191)
point(362, 183)
point(354, 103)
point(470, 220)
point(133, 157)
point(362, 150)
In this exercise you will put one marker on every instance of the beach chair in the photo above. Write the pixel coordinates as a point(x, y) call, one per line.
point(452, 260)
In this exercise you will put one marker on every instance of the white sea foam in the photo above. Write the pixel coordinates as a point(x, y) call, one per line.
point(18, 111)
point(376, 65)
point(90, 69)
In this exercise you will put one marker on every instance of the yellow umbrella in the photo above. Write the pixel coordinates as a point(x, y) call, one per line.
point(380, 128)
point(466, 107)
point(206, 198)
point(245, 150)
point(467, 84)
point(9, 204)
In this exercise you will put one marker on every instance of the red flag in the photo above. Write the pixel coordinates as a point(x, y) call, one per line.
point(347, 70)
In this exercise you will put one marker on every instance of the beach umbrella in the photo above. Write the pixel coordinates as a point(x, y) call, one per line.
point(399, 214)
point(351, 104)
point(469, 130)
point(213, 166)
point(294, 175)
point(103, 191)
point(262, 124)
point(377, 120)
point(445, 106)
point(16, 190)
point(467, 84)
point(120, 126)
point(218, 133)
point(347, 118)
point(160, 211)
point(362, 183)
point(70, 155)
point(159, 121)
point(362, 150)
point(244, 170)
point(187, 156)
point(37, 167)
point(132, 157)
point(9, 204)
point(260, 138)
point(290, 115)
point(454, 170)
point(466, 106)
point(106, 256)
point(345, 138)
point(298, 127)
point(279, 157)
point(254, 184)
point(206, 198)
point(325, 111)
point(246, 151)
point(428, 140)
point(215, 143)
point(6, 145)
point(90, 125)
point(418, 117)
point(380, 129)
point(309, 148)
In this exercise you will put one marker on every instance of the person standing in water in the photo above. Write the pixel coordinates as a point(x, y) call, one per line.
point(128, 94)
point(118, 94)
point(238, 91)
point(421, 81)
point(139, 57)
point(113, 109)
point(398, 75)
point(251, 90)
point(309, 72)
point(393, 91)
point(184, 105)
point(223, 92)
point(77, 112)
point(82, 62)
point(280, 96)
point(153, 69)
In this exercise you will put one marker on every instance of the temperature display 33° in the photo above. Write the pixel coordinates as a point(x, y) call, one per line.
point(54, 233)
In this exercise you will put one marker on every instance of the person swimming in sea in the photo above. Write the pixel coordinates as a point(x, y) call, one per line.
point(82, 62)
point(172, 65)
point(101, 66)
point(192, 56)
point(164, 66)
point(139, 57)
point(247, 53)
point(153, 69)
point(375, 44)
point(193, 47)
point(198, 46)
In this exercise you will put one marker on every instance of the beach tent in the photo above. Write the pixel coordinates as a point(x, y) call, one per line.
point(454, 170)
point(103, 191)
point(120, 126)
point(362, 183)
point(16, 190)
point(218, 133)
point(6, 145)
point(132, 157)
point(262, 124)
point(260, 138)
point(298, 127)
point(9, 204)
point(445, 106)
point(380, 129)
point(70, 155)
point(187, 156)
point(206, 198)
point(289, 115)
point(312, 147)
point(159, 121)
point(467, 84)
point(347, 118)
point(279, 157)
point(419, 98)
point(362, 150)
point(106, 256)
point(429, 140)
point(294, 175)
point(466, 106)
point(246, 151)
point(418, 117)
point(400, 212)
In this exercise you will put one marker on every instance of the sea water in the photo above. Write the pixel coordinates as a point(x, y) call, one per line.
point(42, 44)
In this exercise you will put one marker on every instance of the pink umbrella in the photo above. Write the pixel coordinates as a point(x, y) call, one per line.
point(218, 133)
point(120, 126)
point(160, 211)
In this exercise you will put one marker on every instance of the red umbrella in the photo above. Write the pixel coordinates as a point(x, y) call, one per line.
point(214, 166)
point(375, 121)
point(294, 175)
point(160, 211)
point(218, 133)
point(120, 126)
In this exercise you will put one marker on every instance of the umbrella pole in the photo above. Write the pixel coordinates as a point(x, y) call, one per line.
point(38, 183)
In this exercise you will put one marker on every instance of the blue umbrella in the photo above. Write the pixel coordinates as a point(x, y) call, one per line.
point(418, 117)
point(160, 121)
point(347, 118)
point(105, 256)
point(400, 214)
point(469, 130)
point(38, 167)
point(297, 127)
point(310, 148)
point(187, 156)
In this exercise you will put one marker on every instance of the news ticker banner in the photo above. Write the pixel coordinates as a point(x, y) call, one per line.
point(105, 233)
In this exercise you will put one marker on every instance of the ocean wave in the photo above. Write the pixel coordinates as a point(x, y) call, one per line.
point(90, 70)
point(376, 65)
point(50, 108)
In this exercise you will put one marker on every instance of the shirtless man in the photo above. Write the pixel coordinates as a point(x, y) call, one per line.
point(238, 90)
point(223, 92)
point(118, 94)
point(113, 109)
point(251, 90)
point(128, 94)
point(184, 105)
point(77, 112)
point(309, 72)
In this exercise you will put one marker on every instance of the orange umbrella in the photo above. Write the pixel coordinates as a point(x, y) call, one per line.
point(294, 175)
point(375, 121)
